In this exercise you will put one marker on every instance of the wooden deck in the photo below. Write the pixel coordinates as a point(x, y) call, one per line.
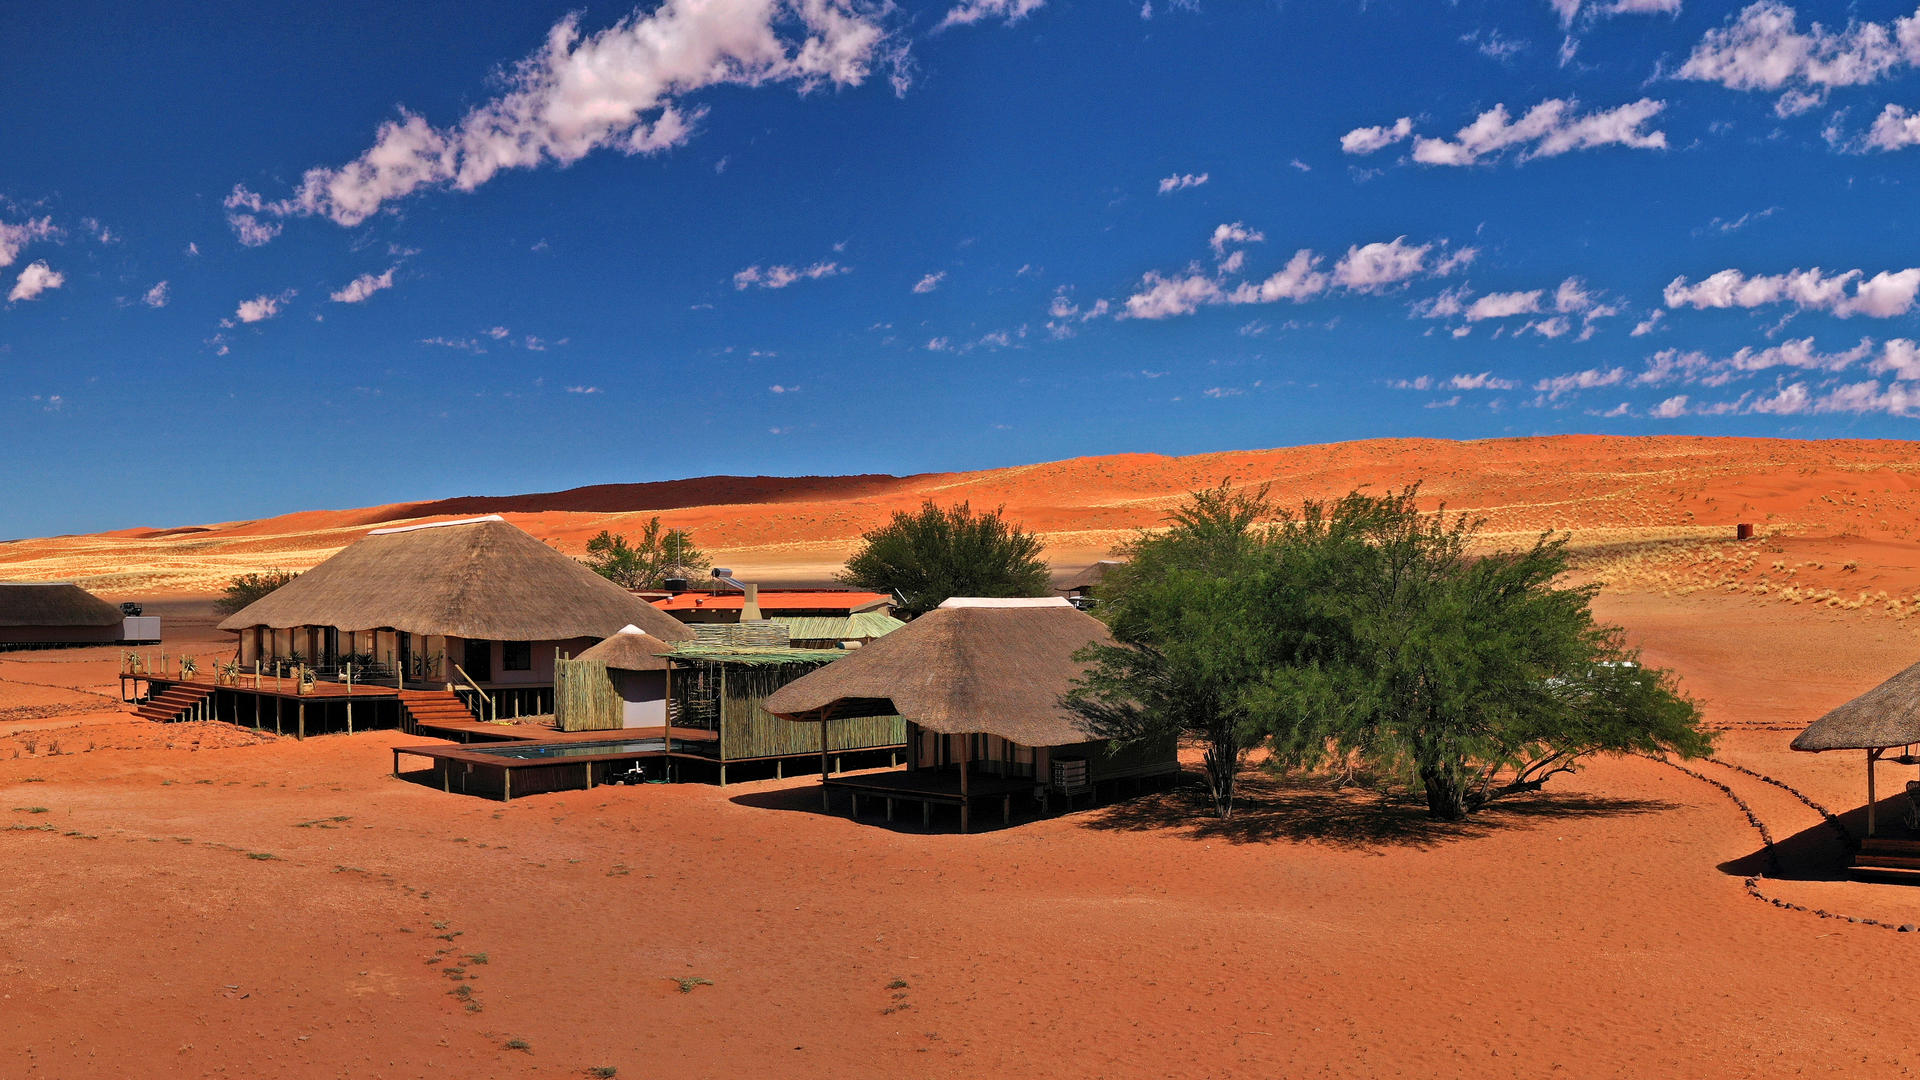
point(931, 788)
point(505, 769)
point(268, 687)
point(483, 731)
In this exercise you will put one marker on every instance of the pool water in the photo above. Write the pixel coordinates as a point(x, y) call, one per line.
point(562, 751)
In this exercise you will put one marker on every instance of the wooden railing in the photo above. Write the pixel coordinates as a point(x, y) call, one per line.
point(488, 711)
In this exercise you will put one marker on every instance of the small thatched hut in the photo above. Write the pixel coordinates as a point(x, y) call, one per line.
point(979, 682)
point(1083, 588)
point(451, 601)
point(36, 614)
point(1883, 718)
point(638, 671)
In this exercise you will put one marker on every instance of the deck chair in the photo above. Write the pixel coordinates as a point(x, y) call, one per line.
point(1911, 816)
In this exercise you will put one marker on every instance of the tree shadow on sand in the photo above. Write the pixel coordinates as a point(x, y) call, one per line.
point(1268, 809)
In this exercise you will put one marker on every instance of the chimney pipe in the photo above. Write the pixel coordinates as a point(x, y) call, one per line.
point(750, 604)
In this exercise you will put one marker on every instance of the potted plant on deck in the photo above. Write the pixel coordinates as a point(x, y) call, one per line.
point(305, 681)
point(189, 667)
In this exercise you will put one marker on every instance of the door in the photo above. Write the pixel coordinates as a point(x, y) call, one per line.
point(478, 660)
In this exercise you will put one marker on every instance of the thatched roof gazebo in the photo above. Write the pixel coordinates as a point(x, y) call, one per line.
point(632, 649)
point(1879, 720)
point(55, 613)
point(979, 682)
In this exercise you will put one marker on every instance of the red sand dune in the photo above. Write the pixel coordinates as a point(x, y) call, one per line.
point(1817, 501)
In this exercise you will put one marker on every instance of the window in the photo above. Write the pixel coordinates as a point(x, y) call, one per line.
point(516, 655)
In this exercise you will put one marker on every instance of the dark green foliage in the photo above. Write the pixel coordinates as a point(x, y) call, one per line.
point(1187, 658)
point(247, 588)
point(1364, 633)
point(1475, 676)
point(934, 554)
point(658, 554)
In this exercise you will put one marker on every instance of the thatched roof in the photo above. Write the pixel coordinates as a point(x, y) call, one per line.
point(1887, 715)
point(479, 578)
point(1092, 575)
point(53, 603)
point(632, 649)
point(970, 665)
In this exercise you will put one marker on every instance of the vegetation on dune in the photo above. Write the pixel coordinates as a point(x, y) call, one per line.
point(244, 589)
point(658, 554)
point(1360, 634)
point(933, 554)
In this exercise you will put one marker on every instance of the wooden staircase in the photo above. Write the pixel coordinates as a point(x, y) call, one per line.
point(431, 708)
point(1888, 858)
point(176, 702)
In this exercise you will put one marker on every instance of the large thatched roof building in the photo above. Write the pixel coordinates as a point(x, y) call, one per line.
point(36, 613)
point(477, 593)
point(980, 683)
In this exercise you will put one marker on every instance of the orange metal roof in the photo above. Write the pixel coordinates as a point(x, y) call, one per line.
point(775, 600)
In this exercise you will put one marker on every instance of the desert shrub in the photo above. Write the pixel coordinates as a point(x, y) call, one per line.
point(246, 588)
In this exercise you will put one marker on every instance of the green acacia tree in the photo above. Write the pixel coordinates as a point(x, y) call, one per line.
point(1185, 658)
point(657, 554)
point(933, 554)
point(1473, 676)
point(1364, 632)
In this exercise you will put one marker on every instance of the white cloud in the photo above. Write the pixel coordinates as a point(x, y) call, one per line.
point(1301, 279)
point(930, 282)
point(583, 389)
point(620, 88)
point(1504, 305)
point(1592, 378)
point(362, 287)
point(15, 238)
point(157, 296)
point(1549, 129)
point(1762, 48)
point(1376, 266)
point(1672, 407)
point(1483, 381)
point(1367, 140)
point(1181, 181)
point(1649, 324)
point(1894, 129)
point(778, 389)
point(251, 231)
point(1884, 295)
point(34, 280)
point(1449, 303)
point(968, 12)
point(1163, 297)
point(779, 277)
point(1236, 233)
point(262, 307)
point(1555, 327)
point(1570, 10)
point(1899, 357)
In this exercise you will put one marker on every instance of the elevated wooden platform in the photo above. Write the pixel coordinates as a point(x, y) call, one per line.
point(1889, 858)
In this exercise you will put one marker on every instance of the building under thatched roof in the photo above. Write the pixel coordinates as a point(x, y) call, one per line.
point(473, 601)
point(55, 613)
point(979, 683)
point(1887, 715)
point(1091, 578)
point(477, 578)
point(632, 649)
point(993, 666)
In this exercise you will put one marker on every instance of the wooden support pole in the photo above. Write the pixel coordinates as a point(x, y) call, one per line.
point(1873, 758)
point(826, 802)
point(506, 785)
point(349, 694)
point(302, 733)
point(965, 802)
point(277, 699)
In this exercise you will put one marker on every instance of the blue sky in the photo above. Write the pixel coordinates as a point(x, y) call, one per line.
point(268, 257)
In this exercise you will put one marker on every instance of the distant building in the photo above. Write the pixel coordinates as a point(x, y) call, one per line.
point(1083, 589)
point(51, 614)
point(811, 618)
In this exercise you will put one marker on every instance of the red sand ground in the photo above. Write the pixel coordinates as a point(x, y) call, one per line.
point(197, 901)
